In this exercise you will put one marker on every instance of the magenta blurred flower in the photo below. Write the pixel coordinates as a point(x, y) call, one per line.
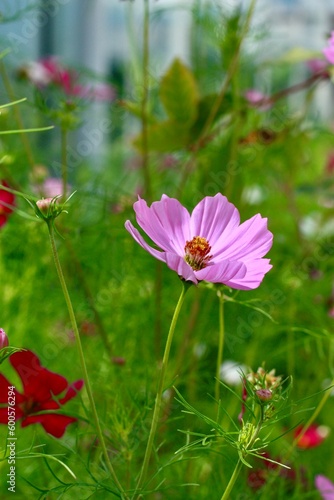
point(52, 187)
point(257, 99)
point(325, 487)
point(7, 201)
point(318, 66)
point(44, 393)
point(313, 436)
point(3, 339)
point(50, 71)
point(210, 244)
point(329, 50)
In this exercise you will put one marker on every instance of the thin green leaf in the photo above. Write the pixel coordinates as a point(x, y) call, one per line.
point(250, 305)
point(26, 130)
point(51, 457)
point(12, 103)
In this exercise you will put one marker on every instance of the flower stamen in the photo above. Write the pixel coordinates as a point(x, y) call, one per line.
point(197, 253)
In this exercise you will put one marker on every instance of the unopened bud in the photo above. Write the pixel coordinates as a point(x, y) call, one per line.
point(264, 394)
point(48, 208)
point(44, 205)
point(3, 339)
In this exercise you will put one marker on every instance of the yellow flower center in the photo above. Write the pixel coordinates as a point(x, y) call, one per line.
point(197, 252)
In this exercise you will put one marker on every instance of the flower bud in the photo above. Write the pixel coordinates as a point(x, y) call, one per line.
point(3, 339)
point(49, 208)
point(264, 394)
point(44, 205)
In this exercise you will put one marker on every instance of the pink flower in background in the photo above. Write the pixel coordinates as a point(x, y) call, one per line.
point(7, 202)
point(329, 50)
point(313, 436)
point(44, 393)
point(318, 66)
point(50, 71)
point(52, 187)
point(210, 244)
point(257, 99)
point(325, 487)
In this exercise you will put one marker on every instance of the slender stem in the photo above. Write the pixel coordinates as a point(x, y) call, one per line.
point(82, 357)
point(158, 302)
point(316, 77)
point(144, 103)
point(220, 343)
point(237, 469)
point(161, 383)
point(64, 172)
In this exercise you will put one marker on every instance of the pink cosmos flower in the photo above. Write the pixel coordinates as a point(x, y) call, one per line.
point(329, 50)
point(210, 244)
point(325, 487)
point(7, 201)
point(257, 99)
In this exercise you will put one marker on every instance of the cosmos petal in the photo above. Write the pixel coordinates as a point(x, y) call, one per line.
point(325, 487)
point(38, 382)
point(139, 239)
point(52, 423)
point(250, 240)
point(256, 270)
point(212, 217)
point(166, 222)
point(179, 265)
point(222, 272)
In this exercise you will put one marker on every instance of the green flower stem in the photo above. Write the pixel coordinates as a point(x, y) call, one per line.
point(238, 467)
point(220, 344)
point(64, 172)
point(144, 103)
point(229, 487)
point(161, 383)
point(82, 358)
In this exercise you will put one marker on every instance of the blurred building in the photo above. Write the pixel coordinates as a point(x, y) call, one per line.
point(106, 35)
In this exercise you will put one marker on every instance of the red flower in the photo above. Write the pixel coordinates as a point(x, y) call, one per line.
point(313, 436)
point(49, 71)
point(40, 386)
point(6, 203)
